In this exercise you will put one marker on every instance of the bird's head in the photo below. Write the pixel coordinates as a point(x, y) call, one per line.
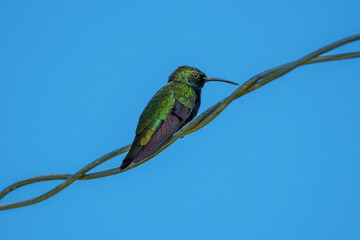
point(193, 77)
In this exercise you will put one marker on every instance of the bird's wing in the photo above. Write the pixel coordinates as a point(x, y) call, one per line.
point(163, 116)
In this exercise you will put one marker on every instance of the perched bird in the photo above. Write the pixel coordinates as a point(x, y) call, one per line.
point(171, 108)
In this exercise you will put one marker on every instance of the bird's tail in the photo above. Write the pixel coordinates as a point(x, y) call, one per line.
point(126, 162)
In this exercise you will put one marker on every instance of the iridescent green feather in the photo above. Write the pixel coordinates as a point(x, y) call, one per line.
point(160, 106)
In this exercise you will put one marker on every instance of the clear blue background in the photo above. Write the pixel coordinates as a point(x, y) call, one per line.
point(280, 163)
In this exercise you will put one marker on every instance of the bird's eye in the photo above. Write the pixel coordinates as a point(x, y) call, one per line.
point(195, 75)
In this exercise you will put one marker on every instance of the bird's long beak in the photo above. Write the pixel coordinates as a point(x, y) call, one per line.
point(210, 79)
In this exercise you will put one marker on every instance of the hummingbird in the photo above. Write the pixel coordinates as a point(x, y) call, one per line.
point(168, 111)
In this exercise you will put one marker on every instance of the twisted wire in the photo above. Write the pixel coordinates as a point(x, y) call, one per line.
point(197, 123)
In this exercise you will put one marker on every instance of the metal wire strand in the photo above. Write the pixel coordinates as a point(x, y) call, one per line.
point(202, 120)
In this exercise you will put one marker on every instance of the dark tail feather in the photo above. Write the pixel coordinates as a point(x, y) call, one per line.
point(126, 162)
point(133, 152)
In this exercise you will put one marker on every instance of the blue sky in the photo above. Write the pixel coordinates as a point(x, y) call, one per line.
point(279, 163)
